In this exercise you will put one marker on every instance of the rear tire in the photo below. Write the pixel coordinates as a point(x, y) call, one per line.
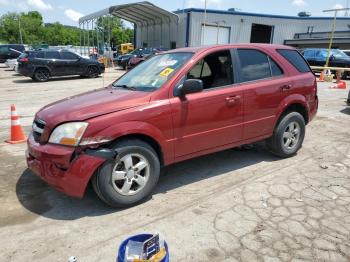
point(288, 135)
point(131, 179)
point(41, 75)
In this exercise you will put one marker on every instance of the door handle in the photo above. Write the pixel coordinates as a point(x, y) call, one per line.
point(232, 100)
point(286, 87)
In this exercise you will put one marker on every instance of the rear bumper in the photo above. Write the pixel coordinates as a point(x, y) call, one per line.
point(25, 71)
point(60, 168)
point(313, 109)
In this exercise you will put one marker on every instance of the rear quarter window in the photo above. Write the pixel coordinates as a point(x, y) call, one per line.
point(296, 59)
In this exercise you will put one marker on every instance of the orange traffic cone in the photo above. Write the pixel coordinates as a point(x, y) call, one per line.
point(340, 85)
point(17, 134)
point(321, 79)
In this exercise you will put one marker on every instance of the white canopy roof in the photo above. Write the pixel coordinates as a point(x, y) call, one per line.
point(140, 13)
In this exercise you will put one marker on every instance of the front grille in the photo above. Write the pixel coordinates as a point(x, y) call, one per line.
point(38, 129)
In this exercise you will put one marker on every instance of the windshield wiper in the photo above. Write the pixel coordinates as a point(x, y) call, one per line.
point(125, 87)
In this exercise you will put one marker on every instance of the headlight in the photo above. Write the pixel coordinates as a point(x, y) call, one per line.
point(68, 134)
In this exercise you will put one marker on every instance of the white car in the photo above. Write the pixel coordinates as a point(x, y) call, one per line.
point(11, 63)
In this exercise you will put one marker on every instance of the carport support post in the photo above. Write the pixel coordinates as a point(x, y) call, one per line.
point(80, 37)
point(88, 36)
point(96, 31)
point(84, 37)
point(109, 33)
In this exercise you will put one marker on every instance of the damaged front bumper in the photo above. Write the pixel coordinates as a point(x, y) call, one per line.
point(63, 168)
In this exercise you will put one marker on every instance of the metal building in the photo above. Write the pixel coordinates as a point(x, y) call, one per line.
point(155, 27)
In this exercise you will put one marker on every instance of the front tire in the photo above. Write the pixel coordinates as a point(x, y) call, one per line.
point(288, 135)
point(128, 181)
point(92, 72)
point(41, 75)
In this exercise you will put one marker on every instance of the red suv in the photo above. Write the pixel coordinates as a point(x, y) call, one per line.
point(175, 106)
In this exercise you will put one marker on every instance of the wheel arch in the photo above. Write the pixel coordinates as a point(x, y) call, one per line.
point(92, 65)
point(293, 103)
point(42, 67)
point(145, 138)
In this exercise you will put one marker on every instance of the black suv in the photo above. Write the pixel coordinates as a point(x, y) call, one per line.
point(10, 52)
point(318, 57)
point(40, 65)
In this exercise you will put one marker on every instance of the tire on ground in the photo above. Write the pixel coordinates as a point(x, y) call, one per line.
point(275, 143)
point(41, 75)
point(92, 72)
point(102, 180)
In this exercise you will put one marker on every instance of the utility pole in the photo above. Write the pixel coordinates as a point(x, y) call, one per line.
point(205, 19)
point(347, 6)
point(333, 29)
point(19, 29)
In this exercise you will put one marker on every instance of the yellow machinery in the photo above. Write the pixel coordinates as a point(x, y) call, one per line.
point(125, 48)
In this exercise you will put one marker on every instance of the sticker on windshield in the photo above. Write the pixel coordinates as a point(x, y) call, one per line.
point(167, 63)
point(166, 72)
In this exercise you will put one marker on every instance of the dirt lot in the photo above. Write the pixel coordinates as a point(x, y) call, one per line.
point(229, 206)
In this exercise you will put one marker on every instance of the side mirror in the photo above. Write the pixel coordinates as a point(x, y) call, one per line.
point(188, 87)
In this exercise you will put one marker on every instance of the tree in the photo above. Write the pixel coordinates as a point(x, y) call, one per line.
point(34, 31)
point(9, 28)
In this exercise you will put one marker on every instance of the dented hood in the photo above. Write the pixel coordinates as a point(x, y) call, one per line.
point(91, 104)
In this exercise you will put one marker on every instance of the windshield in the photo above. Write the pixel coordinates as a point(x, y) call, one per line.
point(154, 72)
point(339, 54)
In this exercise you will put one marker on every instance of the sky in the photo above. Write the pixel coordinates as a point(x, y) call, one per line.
point(68, 11)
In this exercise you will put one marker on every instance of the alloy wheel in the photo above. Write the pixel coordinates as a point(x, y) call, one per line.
point(130, 174)
point(291, 135)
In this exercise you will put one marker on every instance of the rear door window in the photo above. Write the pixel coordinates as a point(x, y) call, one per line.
point(52, 55)
point(255, 65)
point(275, 68)
point(68, 56)
point(40, 55)
point(296, 59)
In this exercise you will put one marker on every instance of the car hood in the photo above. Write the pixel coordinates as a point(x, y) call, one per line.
point(91, 104)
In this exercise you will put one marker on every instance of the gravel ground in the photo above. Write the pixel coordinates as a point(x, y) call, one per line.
point(236, 205)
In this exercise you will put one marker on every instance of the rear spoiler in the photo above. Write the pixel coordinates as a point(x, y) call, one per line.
point(15, 50)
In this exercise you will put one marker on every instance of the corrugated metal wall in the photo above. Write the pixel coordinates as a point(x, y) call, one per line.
point(161, 35)
point(241, 26)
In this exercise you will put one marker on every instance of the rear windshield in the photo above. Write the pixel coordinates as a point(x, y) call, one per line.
point(296, 59)
point(23, 55)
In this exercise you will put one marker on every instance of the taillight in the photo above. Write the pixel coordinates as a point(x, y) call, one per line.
point(24, 59)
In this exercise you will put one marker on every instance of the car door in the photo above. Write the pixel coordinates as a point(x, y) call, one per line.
point(213, 117)
point(55, 63)
point(320, 57)
point(73, 64)
point(264, 85)
point(4, 52)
